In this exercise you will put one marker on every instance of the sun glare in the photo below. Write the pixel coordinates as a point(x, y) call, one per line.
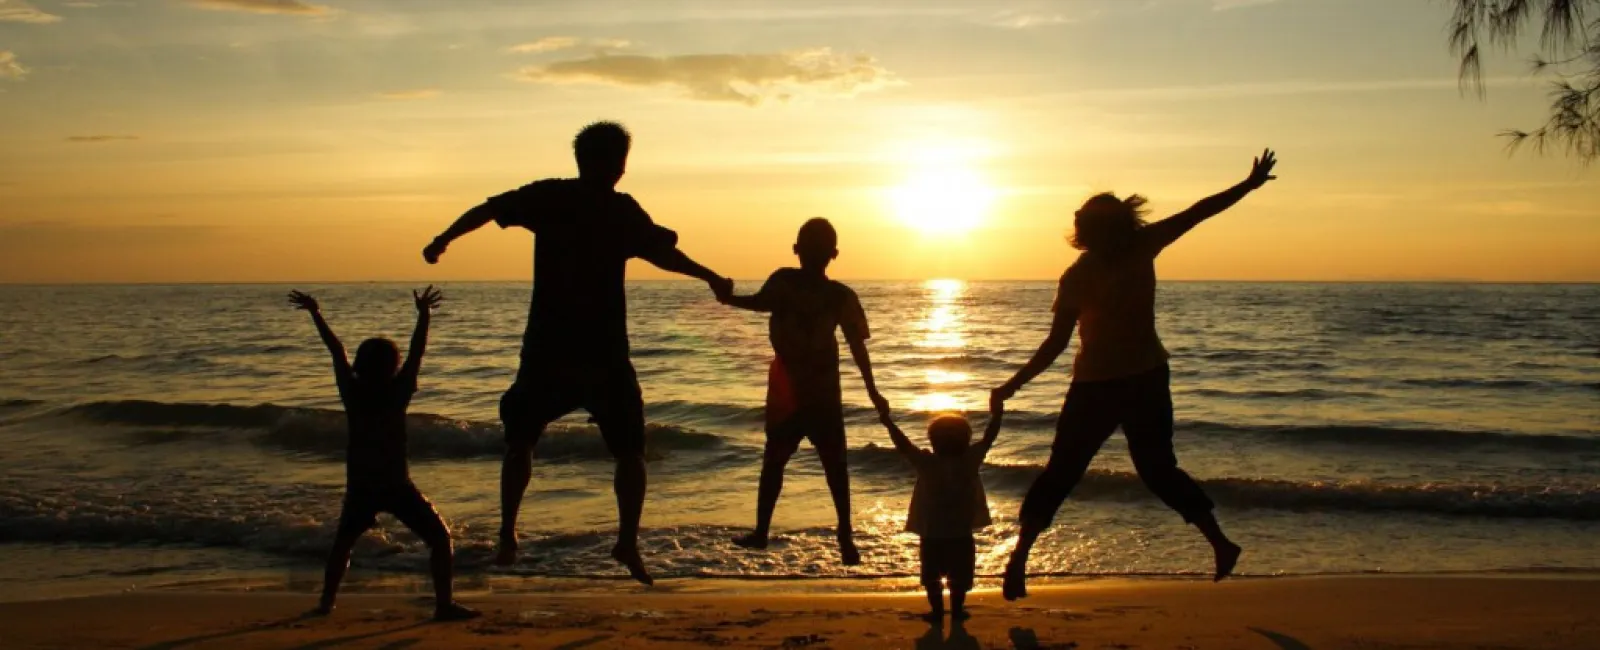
point(942, 194)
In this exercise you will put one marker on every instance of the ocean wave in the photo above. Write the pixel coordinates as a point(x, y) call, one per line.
point(1315, 394)
point(1532, 502)
point(1379, 436)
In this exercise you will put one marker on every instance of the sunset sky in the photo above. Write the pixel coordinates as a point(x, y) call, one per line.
point(266, 140)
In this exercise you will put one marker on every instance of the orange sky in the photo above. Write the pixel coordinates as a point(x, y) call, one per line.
point(291, 141)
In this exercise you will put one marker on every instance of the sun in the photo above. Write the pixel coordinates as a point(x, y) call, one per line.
point(942, 198)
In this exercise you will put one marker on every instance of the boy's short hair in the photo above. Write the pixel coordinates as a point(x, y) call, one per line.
point(817, 234)
point(601, 143)
point(950, 435)
point(377, 359)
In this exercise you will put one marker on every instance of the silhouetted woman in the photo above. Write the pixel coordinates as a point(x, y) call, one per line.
point(1120, 376)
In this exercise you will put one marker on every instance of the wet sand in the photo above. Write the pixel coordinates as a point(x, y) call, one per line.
point(1379, 613)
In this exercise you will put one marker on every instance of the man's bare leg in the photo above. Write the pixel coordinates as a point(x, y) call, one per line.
point(515, 473)
point(629, 484)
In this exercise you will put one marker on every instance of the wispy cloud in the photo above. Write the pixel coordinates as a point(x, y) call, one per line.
point(557, 43)
point(1274, 88)
point(1224, 5)
point(741, 78)
point(286, 7)
point(1015, 19)
point(10, 67)
point(99, 138)
point(419, 93)
point(19, 11)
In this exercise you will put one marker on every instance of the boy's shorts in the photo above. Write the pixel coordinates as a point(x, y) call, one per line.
point(544, 392)
point(813, 413)
point(405, 502)
point(952, 558)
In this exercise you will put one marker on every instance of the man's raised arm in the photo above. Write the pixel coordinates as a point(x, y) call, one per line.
point(472, 220)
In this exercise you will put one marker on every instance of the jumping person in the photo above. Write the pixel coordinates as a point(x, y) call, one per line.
point(575, 350)
point(1120, 376)
point(376, 390)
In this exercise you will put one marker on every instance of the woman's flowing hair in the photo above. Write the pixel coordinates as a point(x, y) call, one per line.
point(1107, 224)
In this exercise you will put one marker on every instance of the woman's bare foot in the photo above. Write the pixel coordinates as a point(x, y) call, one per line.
point(1227, 557)
point(1016, 582)
point(753, 541)
point(455, 612)
point(848, 553)
point(629, 558)
point(506, 551)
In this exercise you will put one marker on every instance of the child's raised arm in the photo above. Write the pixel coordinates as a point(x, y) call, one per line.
point(341, 365)
point(426, 301)
point(902, 444)
point(997, 412)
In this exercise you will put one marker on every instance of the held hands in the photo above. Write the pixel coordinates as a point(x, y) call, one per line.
point(1261, 169)
point(304, 301)
point(427, 299)
point(434, 249)
point(1000, 395)
point(722, 288)
point(882, 405)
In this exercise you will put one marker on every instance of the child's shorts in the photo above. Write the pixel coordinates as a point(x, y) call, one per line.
point(952, 558)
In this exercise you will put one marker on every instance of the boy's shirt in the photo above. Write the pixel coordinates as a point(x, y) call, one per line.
point(806, 310)
point(948, 501)
point(376, 456)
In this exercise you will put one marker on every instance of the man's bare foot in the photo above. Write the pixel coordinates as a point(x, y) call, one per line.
point(1016, 582)
point(848, 553)
point(959, 614)
point(629, 558)
point(935, 617)
point(506, 551)
point(455, 612)
point(1227, 557)
point(753, 541)
point(321, 610)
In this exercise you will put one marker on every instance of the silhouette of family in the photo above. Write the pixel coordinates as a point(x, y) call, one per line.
point(575, 355)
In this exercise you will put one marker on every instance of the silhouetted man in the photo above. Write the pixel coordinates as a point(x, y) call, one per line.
point(575, 351)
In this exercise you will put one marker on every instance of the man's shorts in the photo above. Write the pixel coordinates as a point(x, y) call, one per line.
point(545, 392)
point(813, 413)
point(405, 502)
point(952, 558)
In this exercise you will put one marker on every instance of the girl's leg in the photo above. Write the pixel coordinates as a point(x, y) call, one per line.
point(353, 522)
point(1148, 425)
point(1085, 424)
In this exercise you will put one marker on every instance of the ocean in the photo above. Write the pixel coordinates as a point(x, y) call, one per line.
point(161, 434)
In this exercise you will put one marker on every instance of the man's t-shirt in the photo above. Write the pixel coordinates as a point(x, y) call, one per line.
point(375, 459)
point(584, 237)
point(1115, 298)
point(948, 502)
point(806, 309)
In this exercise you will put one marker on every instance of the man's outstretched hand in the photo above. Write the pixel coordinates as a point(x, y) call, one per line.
point(427, 299)
point(434, 249)
point(302, 300)
point(722, 288)
point(1261, 169)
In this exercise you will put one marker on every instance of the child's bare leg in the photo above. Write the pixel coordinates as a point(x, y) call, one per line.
point(774, 460)
point(419, 515)
point(837, 469)
point(935, 603)
point(338, 563)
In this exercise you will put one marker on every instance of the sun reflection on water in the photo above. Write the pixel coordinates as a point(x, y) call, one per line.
point(942, 328)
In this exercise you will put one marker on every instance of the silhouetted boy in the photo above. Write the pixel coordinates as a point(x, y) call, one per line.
point(803, 395)
point(376, 392)
point(948, 502)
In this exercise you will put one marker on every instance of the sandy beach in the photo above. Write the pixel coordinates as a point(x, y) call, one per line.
point(1290, 613)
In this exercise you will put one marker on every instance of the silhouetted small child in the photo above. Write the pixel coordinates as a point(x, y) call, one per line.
point(948, 502)
point(376, 392)
point(804, 399)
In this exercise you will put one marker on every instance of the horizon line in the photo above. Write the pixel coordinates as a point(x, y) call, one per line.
point(114, 283)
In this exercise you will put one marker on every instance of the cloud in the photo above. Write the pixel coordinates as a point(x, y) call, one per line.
point(1224, 5)
point(93, 139)
point(10, 68)
point(286, 7)
point(557, 43)
point(740, 78)
point(19, 11)
point(1025, 20)
point(419, 93)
